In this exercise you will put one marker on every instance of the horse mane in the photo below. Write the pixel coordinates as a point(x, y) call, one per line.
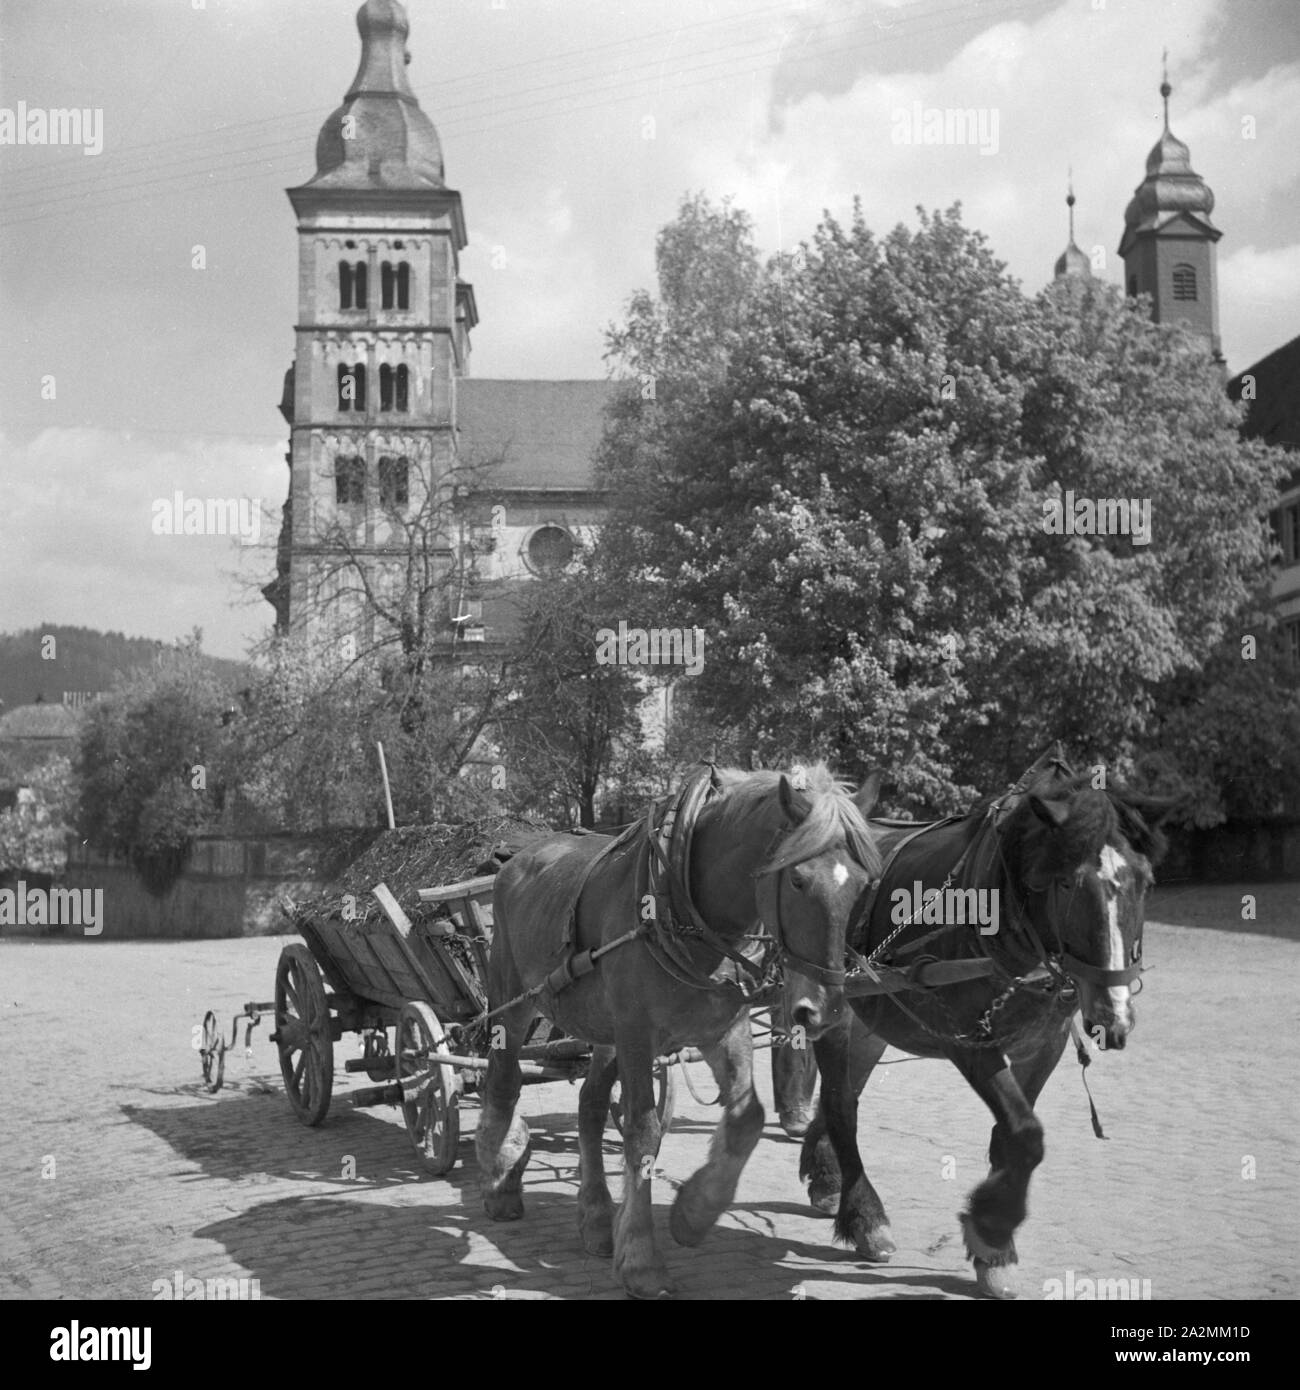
point(1095, 817)
point(833, 815)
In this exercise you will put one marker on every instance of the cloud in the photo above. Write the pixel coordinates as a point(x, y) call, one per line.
point(80, 546)
point(1259, 297)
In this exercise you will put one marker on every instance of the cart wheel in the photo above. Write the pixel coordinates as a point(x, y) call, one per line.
point(665, 1081)
point(212, 1053)
point(430, 1095)
point(303, 1034)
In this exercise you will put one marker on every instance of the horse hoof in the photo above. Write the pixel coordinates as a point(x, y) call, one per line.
point(649, 1286)
point(797, 1123)
point(996, 1281)
point(875, 1246)
point(597, 1237)
point(826, 1200)
point(504, 1206)
point(683, 1229)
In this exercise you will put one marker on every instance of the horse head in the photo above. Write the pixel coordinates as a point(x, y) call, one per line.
point(814, 886)
point(1082, 860)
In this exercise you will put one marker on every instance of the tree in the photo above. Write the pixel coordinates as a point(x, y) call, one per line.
point(151, 763)
point(842, 476)
point(33, 833)
point(567, 722)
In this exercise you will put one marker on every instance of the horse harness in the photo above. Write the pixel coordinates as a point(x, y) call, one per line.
point(669, 920)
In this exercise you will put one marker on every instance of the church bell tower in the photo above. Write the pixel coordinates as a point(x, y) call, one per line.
point(383, 335)
point(1168, 244)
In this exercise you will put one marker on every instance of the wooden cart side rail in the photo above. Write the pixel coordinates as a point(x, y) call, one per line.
point(465, 987)
point(471, 888)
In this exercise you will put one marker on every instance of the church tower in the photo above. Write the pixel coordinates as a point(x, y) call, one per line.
point(1072, 264)
point(1168, 244)
point(382, 337)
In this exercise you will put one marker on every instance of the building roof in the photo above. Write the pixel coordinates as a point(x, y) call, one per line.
point(545, 432)
point(1072, 263)
point(39, 721)
point(389, 142)
point(1274, 414)
point(1171, 187)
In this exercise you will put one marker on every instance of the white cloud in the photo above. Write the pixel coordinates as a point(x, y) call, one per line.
point(1259, 298)
point(80, 547)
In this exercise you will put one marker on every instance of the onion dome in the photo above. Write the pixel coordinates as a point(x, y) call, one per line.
point(1171, 184)
point(1072, 263)
point(379, 137)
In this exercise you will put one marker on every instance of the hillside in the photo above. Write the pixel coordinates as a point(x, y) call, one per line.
point(85, 660)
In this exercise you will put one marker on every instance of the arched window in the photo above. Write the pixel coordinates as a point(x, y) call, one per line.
point(352, 386)
point(1132, 286)
point(395, 285)
point(394, 388)
point(345, 285)
point(349, 480)
point(1184, 282)
point(359, 285)
point(394, 483)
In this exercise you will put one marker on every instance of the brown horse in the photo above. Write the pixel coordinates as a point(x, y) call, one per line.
point(1066, 867)
point(776, 868)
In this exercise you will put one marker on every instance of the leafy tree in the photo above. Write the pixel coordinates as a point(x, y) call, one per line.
point(33, 833)
point(151, 762)
point(567, 722)
point(842, 473)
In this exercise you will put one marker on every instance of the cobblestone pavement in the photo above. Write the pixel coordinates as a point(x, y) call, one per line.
point(1195, 1190)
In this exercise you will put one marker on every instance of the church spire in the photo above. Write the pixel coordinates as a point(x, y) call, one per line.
point(1072, 263)
point(1169, 239)
point(379, 137)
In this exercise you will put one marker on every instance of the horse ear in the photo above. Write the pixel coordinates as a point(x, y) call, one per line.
point(1051, 812)
point(794, 805)
point(868, 792)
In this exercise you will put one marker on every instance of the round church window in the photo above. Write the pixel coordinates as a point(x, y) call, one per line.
point(550, 548)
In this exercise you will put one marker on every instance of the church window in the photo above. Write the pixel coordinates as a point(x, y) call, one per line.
point(352, 285)
point(395, 285)
point(352, 386)
point(1184, 282)
point(394, 388)
point(349, 480)
point(394, 482)
point(550, 548)
point(1133, 286)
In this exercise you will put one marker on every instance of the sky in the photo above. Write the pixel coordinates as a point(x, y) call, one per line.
point(572, 129)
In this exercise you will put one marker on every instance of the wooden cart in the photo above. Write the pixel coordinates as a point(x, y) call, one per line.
point(425, 981)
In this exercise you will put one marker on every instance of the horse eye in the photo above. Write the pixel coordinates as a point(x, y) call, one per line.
point(798, 880)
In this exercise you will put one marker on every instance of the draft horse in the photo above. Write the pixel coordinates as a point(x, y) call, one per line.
point(774, 869)
point(1068, 867)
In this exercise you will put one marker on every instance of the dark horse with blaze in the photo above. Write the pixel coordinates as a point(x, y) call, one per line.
point(775, 868)
point(1068, 867)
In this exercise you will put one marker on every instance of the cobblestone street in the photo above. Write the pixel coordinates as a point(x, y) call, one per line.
point(119, 1170)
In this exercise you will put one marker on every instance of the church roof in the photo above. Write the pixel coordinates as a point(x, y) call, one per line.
point(545, 432)
point(1072, 263)
point(1171, 186)
point(379, 137)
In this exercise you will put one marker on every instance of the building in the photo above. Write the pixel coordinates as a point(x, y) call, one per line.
point(1168, 245)
point(387, 427)
point(1271, 390)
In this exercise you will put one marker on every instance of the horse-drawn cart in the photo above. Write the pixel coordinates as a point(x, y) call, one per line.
point(425, 981)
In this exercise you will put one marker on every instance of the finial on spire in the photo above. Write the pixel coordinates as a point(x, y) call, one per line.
point(1165, 88)
point(1069, 203)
